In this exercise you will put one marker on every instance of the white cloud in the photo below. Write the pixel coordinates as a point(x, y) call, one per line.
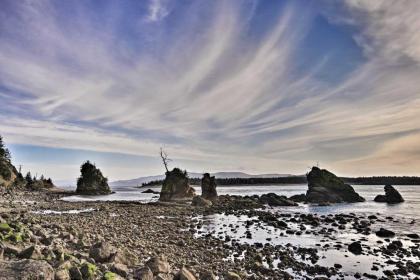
point(389, 28)
point(157, 10)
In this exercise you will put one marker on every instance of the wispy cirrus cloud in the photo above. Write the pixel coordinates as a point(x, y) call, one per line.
point(157, 10)
point(220, 84)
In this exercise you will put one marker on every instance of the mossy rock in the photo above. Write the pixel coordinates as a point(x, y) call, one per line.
point(14, 237)
point(5, 228)
point(110, 276)
point(88, 270)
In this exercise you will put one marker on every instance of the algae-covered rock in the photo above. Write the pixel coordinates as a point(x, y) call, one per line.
point(91, 181)
point(175, 186)
point(324, 187)
point(5, 228)
point(88, 270)
point(208, 187)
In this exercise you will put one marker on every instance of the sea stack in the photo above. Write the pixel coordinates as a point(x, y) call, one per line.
point(176, 187)
point(392, 196)
point(91, 181)
point(208, 187)
point(325, 187)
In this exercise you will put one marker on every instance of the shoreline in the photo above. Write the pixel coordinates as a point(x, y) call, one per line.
point(144, 230)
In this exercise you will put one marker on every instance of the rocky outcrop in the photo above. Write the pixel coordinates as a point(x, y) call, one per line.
point(273, 199)
point(325, 187)
point(392, 196)
point(25, 270)
point(208, 187)
point(150, 191)
point(91, 181)
point(176, 187)
point(298, 197)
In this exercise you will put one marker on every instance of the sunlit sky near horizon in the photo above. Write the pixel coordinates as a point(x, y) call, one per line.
point(247, 85)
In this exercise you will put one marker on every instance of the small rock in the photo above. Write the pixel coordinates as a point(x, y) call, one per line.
point(232, 276)
point(75, 273)
point(355, 248)
point(62, 274)
point(184, 274)
point(143, 273)
point(120, 269)
point(385, 233)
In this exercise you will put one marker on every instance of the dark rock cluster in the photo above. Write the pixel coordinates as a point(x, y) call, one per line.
point(392, 196)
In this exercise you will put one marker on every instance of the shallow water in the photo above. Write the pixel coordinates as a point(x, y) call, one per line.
point(408, 210)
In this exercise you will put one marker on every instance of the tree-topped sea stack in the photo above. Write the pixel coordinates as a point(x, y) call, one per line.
point(176, 187)
point(208, 187)
point(325, 187)
point(91, 181)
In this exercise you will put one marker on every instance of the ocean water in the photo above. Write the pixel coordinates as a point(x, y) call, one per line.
point(408, 210)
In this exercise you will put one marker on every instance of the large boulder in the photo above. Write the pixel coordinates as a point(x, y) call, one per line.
point(25, 270)
point(208, 187)
point(392, 196)
point(325, 187)
point(159, 264)
point(176, 187)
point(91, 181)
point(102, 252)
point(273, 199)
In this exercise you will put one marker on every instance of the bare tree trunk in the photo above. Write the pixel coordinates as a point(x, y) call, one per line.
point(165, 159)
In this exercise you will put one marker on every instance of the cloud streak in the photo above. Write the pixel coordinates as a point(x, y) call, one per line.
point(215, 84)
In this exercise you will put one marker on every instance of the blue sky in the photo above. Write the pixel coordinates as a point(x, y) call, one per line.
point(254, 86)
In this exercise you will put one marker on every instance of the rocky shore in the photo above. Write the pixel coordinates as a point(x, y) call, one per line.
point(128, 240)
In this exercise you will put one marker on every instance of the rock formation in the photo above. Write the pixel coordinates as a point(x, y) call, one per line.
point(392, 196)
point(176, 187)
point(325, 187)
point(91, 181)
point(208, 187)
point(273, 199)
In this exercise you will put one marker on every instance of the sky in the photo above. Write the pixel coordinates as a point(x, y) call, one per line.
point(247, 85)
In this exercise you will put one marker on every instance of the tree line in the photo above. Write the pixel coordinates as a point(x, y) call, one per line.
point(375, 180)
